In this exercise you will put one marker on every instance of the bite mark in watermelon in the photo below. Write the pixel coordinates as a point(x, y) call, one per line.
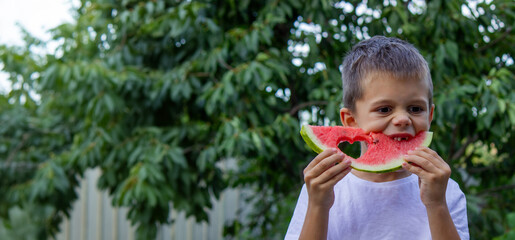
point(384, 154)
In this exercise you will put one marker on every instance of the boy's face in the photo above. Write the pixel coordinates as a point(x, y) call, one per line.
point(396, 107)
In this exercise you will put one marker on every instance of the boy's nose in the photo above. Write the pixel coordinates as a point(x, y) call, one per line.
point(401, 120)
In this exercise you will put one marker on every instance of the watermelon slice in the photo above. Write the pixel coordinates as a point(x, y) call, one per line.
point(384, 153)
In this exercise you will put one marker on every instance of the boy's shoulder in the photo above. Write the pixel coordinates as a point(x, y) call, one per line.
point(453, 189)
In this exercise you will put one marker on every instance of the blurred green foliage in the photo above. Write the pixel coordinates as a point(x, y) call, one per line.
point(157, 94)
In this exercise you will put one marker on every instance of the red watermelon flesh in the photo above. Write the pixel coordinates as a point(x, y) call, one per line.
point(384, 153)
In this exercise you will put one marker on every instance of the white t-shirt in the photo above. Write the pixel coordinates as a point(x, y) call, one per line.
point(388, 210)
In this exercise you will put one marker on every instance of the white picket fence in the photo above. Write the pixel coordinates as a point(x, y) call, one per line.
point(93, 217)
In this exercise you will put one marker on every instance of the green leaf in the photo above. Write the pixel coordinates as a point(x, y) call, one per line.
point(511, 220)
point(135, 155)
point(451, 49)
point(511, 114)
point(256, 140)
point(502, 105)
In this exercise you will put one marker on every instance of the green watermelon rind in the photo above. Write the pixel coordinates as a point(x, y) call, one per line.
point(311, 139)
point(397, 163)
point(393, 165)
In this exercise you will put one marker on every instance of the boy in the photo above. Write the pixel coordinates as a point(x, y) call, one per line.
point(387, 88)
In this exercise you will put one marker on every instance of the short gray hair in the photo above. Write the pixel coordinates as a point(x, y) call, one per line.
point(385, 54)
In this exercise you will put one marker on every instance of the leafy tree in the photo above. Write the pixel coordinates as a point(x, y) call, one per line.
point(157, 94)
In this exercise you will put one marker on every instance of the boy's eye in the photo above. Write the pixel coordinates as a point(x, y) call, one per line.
point(384, 109)
point(416, 109)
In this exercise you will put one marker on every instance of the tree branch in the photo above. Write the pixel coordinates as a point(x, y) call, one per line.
point(199, 74)
point(453, 139)
point(13, 153)
point(18, 165)
point(295, 109)
point(122, 43)
point(463, 147)
point(225, 64)
point(496, 189)
point(502, 37)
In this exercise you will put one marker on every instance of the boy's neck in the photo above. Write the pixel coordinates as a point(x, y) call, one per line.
point(381, 177)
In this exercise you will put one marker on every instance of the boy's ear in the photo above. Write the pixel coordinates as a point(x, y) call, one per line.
point(431, 113)
point(347, 118)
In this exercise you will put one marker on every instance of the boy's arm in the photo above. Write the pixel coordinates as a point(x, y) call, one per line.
point(433, 173)
point(440, 223)
point(320, 176)
point(315, 224)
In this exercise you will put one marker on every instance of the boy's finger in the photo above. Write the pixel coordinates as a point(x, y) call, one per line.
point(339, 176)
point(431, 156)
point(421, 162)
point(326, 153)
point(333, 171)
point(415, 170)
point(326, 163)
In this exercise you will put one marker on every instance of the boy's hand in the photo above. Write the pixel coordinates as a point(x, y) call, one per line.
point(322, 174)
point(433, 173)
